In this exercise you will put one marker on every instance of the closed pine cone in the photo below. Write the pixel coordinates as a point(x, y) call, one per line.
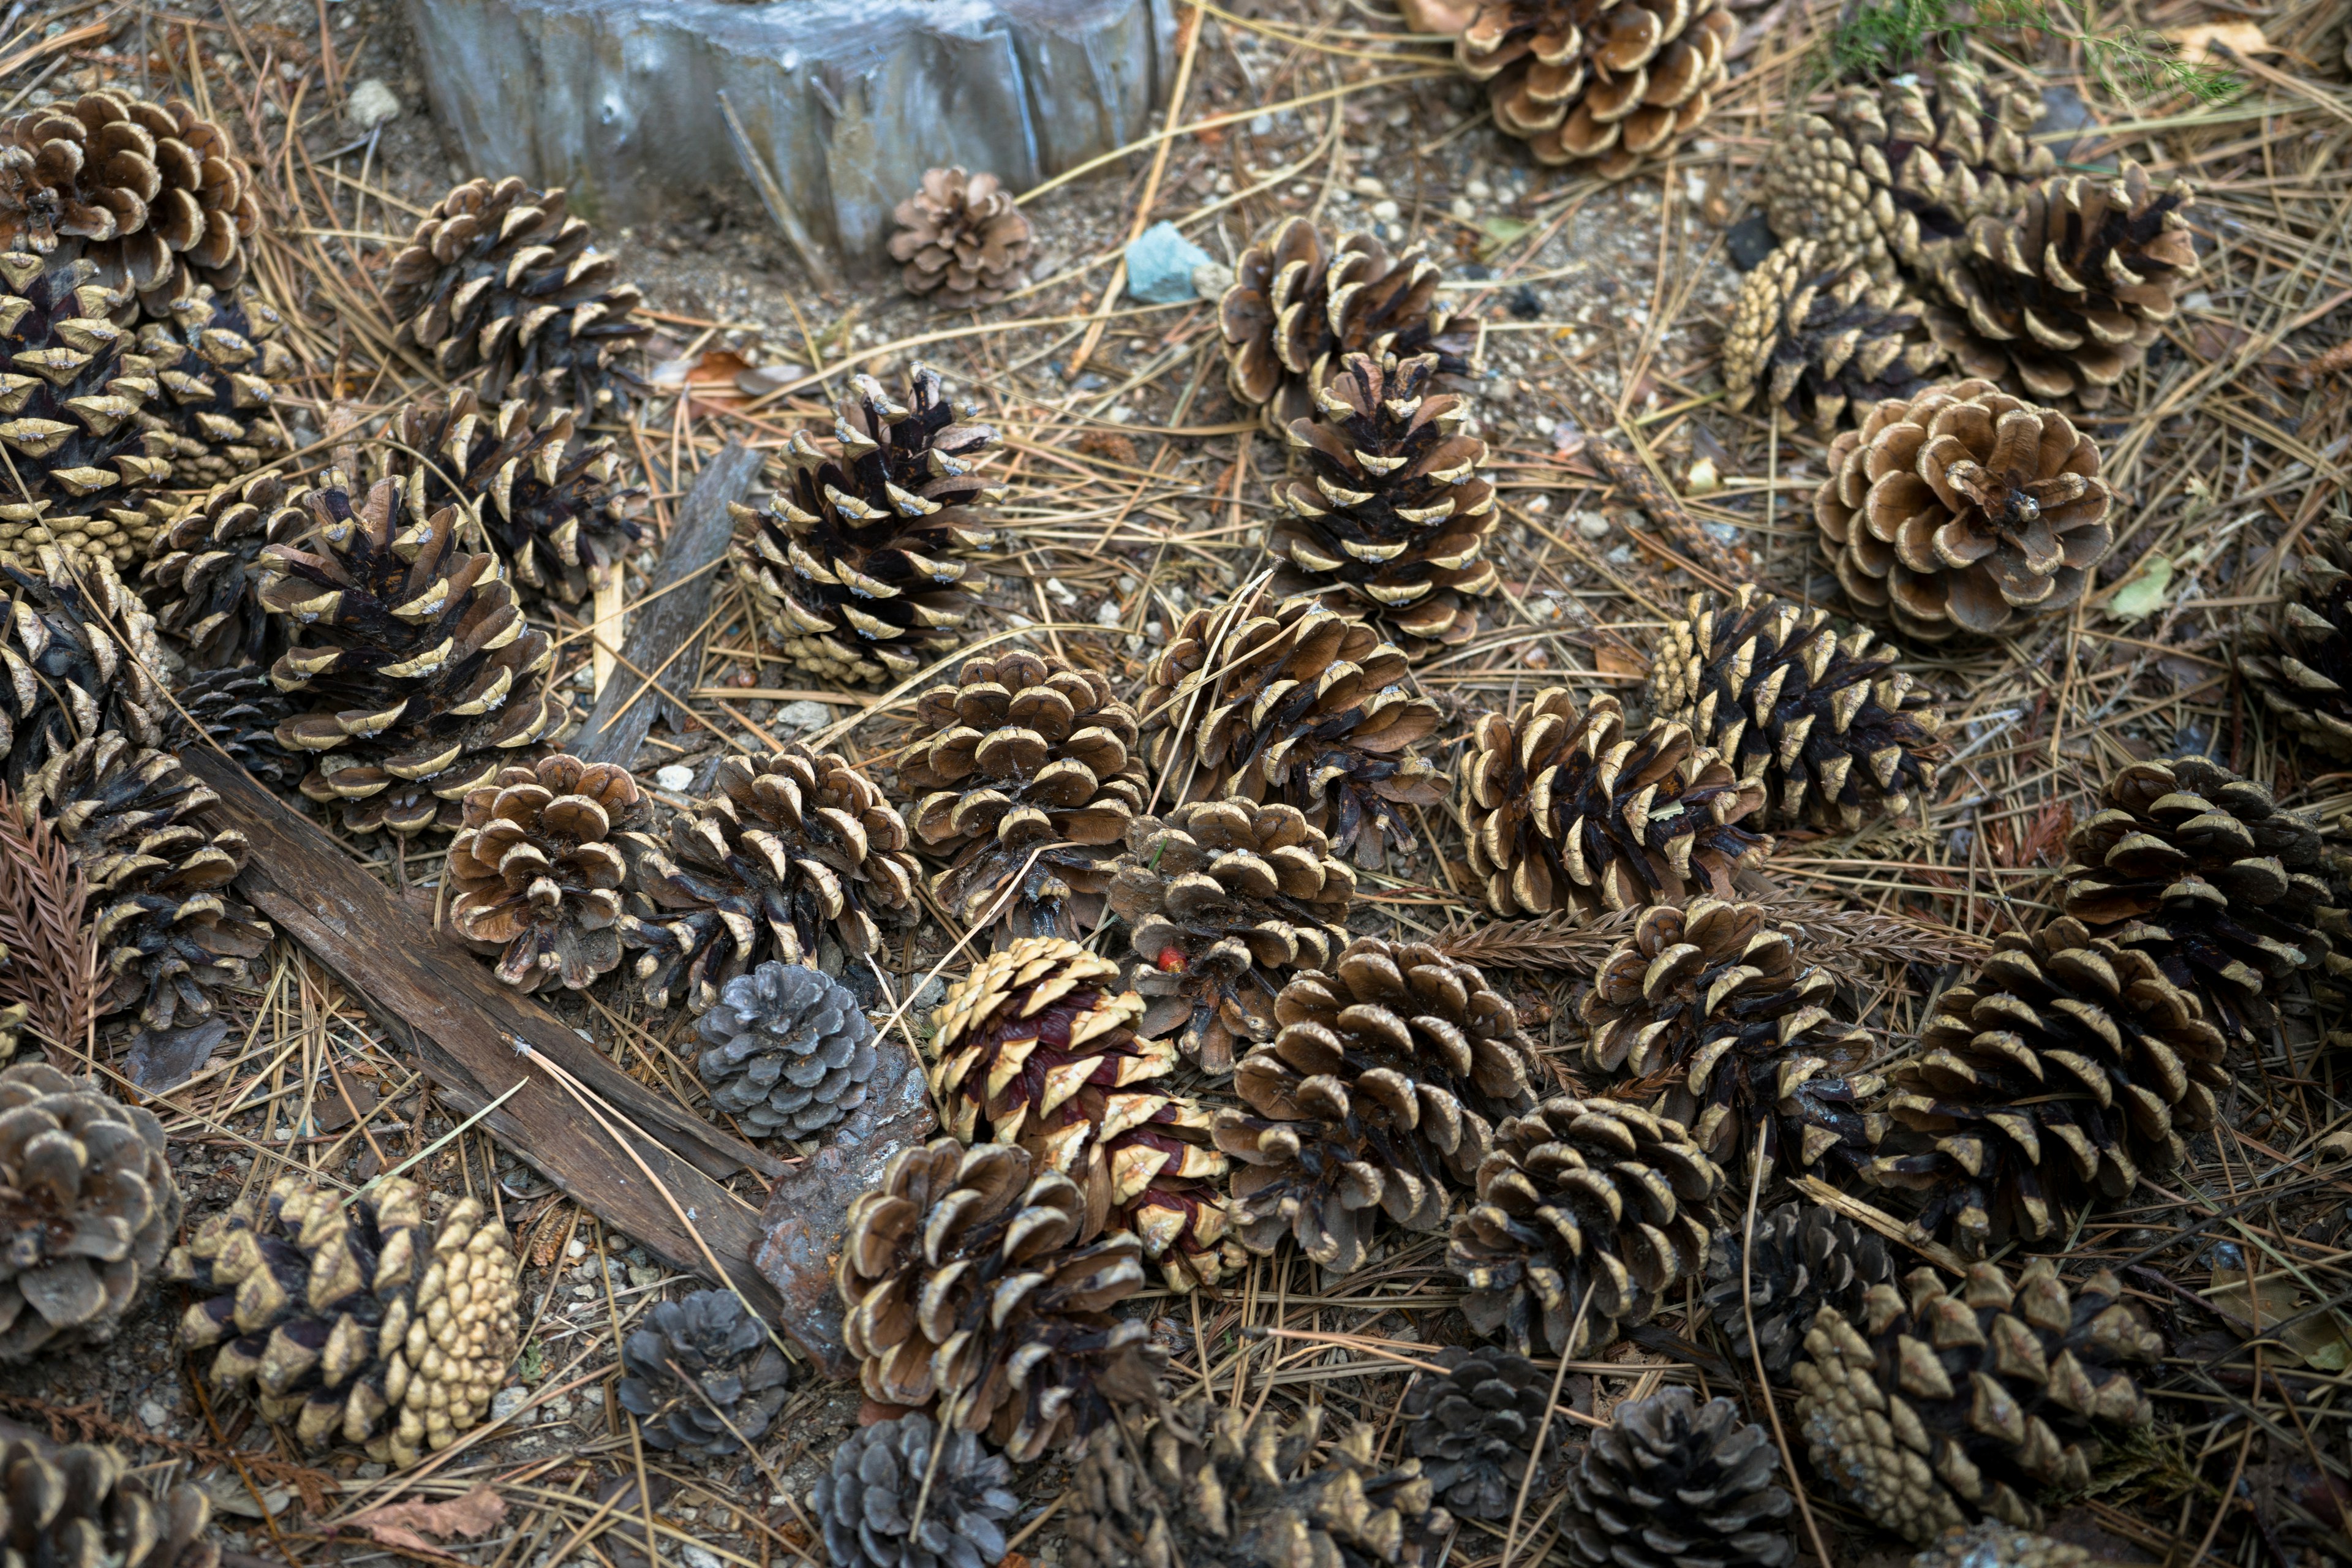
point(88, 684)
point(1821, 338)
point(1223, 900)
point(1474, 1427)
point(358, 1320)
point(203, 574)
point(218, 365)
point(1629, 1186)
point(1609, 84)
point(1672, 1482)
point(1303, 707)
point(786, 1049)
point(961, 238)
point(1826, 724)
point(1963, 510)
point(1380, 1091)
point(1026, 776)
point(1805, 1257)
point(83, 1506)
point(703, 1377)
point(87, 1208)
point(537, 869)
point(1999, 1546)
point(1562, 811)
point(1393, 516)
point(2303, 668)
point(1930, 1407)
point(866, 1503)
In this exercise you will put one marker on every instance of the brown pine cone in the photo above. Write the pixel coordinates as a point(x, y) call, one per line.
point(2302, 666)
point(1806, 1258)
point(1300, 302)
point(1026, 777)
point(1594, 81)
point(1963, 510)
point(68, 679)
point(1301, 707)
point(1999, 1546)
point(1674, 1483)
point(218, 364)
point(536, 870)
point(1381, 1090)
point(85, 1506)
point(1224, 901)
point(238, 710)
point(1824, 339)
point(1562, 811)
point(1928, 1408)
point(1390, 520)
point(203, 574)
point(961, 238)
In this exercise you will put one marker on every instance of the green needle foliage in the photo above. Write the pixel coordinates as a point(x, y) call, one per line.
point(1885, 37)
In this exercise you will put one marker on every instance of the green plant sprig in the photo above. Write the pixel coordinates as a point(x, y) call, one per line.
point(1882, 37)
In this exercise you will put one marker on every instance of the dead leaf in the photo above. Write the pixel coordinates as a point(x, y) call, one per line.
point(409, 1524)
point(1619, 661)
point(2321, 1343)
point(2241, 38)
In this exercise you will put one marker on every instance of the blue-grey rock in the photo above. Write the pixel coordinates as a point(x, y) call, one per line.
point(1159, 265)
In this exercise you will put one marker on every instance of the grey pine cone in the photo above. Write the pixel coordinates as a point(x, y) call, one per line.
point(1673, 1483)
point(786, 1049)
point(1806, 1258)
point(1474, 1429)
point(865, 1505)
point(703, 1377)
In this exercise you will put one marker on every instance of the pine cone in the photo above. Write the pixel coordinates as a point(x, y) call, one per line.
point(1036, 1046)
point(1223, 900)
point(2066, 1066)
point(68, 678)
point(865, 1504)
point(537, 869)
point(1931, 1414)
point(87, 1208)
point(1389, 521)
point(1821, 338)
point(786, 1050)
point(1672, 1483)
point(1301, 707)
point(1959, 509)
point(1806, 1258)
point(849, 561)
point(702, 1376)
point(342, 1314)
point(1299, 304)
point(962, 238)
point(1382, 1089)
point(2067, 293)
point(1999, 1546)
point(1587, 1212)
point(1562, 812)
point(499, 285)
point(1593, 81)
point(1794, 708)
point(237, 710)
point(1025, 776)
point(217, 366)
point(964, 1280)
point(202, 574)
point(2303, 668)
point(424, 677)
point(782, 849)
point(82, 1505)
point(1474, 1429)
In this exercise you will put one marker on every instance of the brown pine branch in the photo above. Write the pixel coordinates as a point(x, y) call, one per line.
point(51, 963)
point(1824, 933)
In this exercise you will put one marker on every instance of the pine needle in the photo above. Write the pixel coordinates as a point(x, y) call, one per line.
point(1824, 933)
point(51, 963)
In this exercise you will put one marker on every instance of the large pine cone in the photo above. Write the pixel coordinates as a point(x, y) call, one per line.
point(218, 365)
point(423, 679)
point(1821, 338)
point(2303, 669)
point(499, 285)
point(1302, 707)
point(1299, 303)
point(1474, 1427)
point(1963, 510)
point(237, 709)
point(1673, 1483)
point(702, 1376)
point(1381, 1091)
point(1830, 729)
point(1587, 1212)
point(1036, 1046)
point(961, 238)
point(1806, 1258)
point(1930, 1412)
point(781, 850)
point(964, 1280)
point(203, 575)
point(68, 678)
point(1224, 901)
point(87, 1208)
point(786, 1049)
point(537, 869)
point(1026, 777)
point(360, 1318)
point(1598, 83)
point(82, 1506)
point(1390, 520)
point(848, 562)
point(1562, 811)
point(867, 1502)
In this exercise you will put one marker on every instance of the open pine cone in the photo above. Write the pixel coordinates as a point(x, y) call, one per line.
point(82, 1506)
point(217, 364)
point(786, 1049)
point(2303, 668)
point(1671, 1481)
point(535, 871)
point(1474, 1427)
point(867, 1503)
point(237, 709)
point(961, 238)
point(203, 574)
point(1823, 338)
point(702, 1376)
point(1806, 1258)
point(1963, 510)
point(69, 679)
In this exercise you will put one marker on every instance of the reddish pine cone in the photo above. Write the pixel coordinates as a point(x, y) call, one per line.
point(537, 870)
point(1599, 83)
point(961, 238)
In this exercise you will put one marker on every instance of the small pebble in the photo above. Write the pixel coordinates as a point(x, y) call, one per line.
point(1478, 190)
point(698, 1556)
point(1704, 480)
point(1592, 524)
point(805, 714)
point(674, 776)
point(155, 1415)
point(1462, 210)
point(507, 1401)
point(371, 104)
point(1109, 614)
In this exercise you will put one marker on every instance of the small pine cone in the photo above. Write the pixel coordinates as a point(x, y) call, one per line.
point(1474, 1429)
point(1036, 1046)
point(1806, 1258)
point(1820, 338)
point(1931, 1412)
point(68, 678)
point(962, 239)
point(1300, 304)
point(781, 850)
point(1381, 1090)
point(1828, 728)
point(1999, 1546)
point(203, 576)
point(1963, 510)
point(866, 1502)
point(2066, 294)
point(237, 709)
point(81, 1506)
point(1673, 1483)
point(702, 1376)
point(422, 678)
point(1599, 85)
point(1026, 777)
point(1391, 518)
point(849, 561)
point(218, 365)
point(89, 1207)
point(356, 1319)
point(964, 1280)
point(1302, 707)
point(1224, 901)
point(786, 1050)
point(2303, 668)
point(1562, 812)
point(500, 286)
point(1587, 1212)
point(537, 869)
